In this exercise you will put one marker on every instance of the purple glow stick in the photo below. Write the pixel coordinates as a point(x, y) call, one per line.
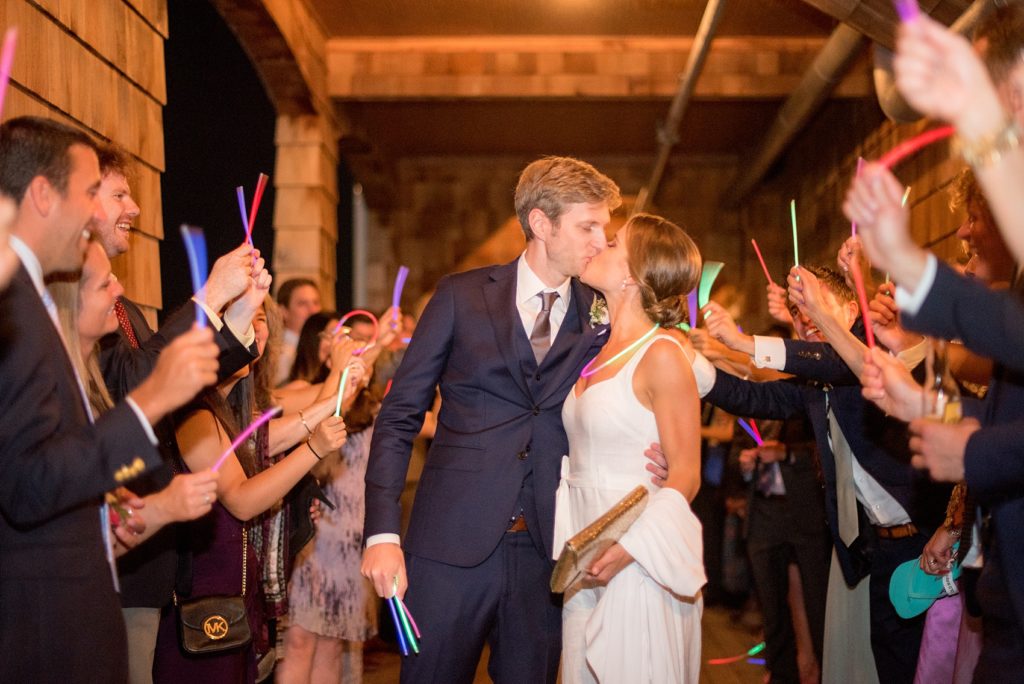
point(6, 62)
point(396, 294)
point(691, 304)
point(195, 247)
point(240, 191)
point(907, 9)
point(750, 431)
point(244, 435)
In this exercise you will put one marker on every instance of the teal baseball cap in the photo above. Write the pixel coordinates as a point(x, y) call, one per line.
point(913, 591)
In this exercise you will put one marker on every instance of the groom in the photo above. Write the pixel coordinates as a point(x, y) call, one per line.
point(505, 344)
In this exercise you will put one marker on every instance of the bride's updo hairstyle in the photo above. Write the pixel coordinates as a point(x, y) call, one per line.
point(666, 265)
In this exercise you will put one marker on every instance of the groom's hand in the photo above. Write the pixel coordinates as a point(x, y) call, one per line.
point(382, 564)
point(659, 464)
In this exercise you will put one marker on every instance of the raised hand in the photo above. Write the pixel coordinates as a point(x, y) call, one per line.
point(329, 435)
point(230, 276)
point(888, 384)
point(241, 311)
point(187, 497)
point(777, 307)
point(723, 328)
point(805, 292)
point(884, 315)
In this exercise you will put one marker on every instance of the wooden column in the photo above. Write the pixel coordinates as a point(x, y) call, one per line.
point(305, 208)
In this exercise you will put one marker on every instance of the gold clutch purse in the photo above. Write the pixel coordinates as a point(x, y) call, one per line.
point(588, 544)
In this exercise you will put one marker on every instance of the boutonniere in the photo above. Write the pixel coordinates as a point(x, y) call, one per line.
point(598, 311)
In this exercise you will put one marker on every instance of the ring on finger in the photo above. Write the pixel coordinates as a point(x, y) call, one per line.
point(206, 498)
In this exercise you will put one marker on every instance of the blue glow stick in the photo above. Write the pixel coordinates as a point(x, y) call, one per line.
point(750, 431)
point(410, 638)
point(398, 628)
point(195, 246)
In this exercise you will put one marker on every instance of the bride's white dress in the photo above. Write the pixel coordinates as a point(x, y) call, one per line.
point(645, 625)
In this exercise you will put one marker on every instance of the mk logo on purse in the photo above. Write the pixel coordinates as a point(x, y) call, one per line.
point(215, 627)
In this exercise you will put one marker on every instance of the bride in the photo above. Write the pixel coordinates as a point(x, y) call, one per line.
point(636, 614)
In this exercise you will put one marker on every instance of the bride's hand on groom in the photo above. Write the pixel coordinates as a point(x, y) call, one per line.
point(609, 564)
point(658, 465)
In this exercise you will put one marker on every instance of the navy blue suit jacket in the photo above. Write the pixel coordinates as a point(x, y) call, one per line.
point(500, 419)
point(994, 459)
point(879, 443)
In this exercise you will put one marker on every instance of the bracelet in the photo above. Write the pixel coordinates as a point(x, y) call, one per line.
point(303, 419)
point(309, 443)
point(989, 149)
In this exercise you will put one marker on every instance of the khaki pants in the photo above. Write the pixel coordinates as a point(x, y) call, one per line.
point(142, 625)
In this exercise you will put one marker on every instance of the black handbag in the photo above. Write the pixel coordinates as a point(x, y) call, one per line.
point(213, 624)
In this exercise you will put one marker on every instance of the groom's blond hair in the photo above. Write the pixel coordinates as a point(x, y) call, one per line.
point(551, 183)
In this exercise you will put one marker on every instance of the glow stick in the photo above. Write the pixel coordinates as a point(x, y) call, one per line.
point(409, 615)
point(909, 147)
point(195, 247)
point(707, 280)
point(341, 391)
point(735, 659)
point(387, 387)
point(373, 319)
point(240, 191)
point(792, 216)
point(6, 62)
point(753, 426)
point(261, 185)
point(906, 196)
point(860, 165)
point(396, 293)
point(409, 636)
point(907, 10)
point(398, 628)
point(691, 305)
point(761, 259)
point(750, 431)
point(244, 435)
point(862, 297)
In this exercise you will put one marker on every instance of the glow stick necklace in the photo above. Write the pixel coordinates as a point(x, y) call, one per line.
point(588, 371)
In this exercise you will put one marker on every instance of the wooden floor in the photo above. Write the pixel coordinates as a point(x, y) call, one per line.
point(722, 638)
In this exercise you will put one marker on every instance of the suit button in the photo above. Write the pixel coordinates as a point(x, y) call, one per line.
point(536, 410)
point(522, 455)
point(537, 377)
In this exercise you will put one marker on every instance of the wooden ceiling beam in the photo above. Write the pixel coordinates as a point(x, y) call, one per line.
point(598, 67)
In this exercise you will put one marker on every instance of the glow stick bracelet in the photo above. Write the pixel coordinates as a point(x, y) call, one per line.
point(792, 216)
point(588, 370)
point(398, 628)
point(261, 185)
point(341, 391)
point(862, 297)
point(909, 147)
point(244, 435)
point(907, 10)
point(195, 248)
point(6, 62)
point(860, 166)
point(707, 280)
point(240, 191)
point(356, 312)
point(409, 636)
point(760, 258)
point(396, 293)
point(750, 431)
point(691, 305)
point(409, 615)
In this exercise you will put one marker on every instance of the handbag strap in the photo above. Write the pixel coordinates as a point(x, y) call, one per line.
point(245, 555)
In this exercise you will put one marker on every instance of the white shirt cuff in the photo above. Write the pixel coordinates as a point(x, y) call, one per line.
point(770, 352)
point(704, 372)
point(246, 338)
point(911, 302)
point(146, 427)
point(383, 538)
point(912, 356)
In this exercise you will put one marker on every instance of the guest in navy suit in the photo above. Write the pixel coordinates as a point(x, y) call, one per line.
point(61, 620)
point(505, 344)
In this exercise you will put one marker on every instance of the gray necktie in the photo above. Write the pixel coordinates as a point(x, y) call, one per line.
point(846, 488)
point(540, 338)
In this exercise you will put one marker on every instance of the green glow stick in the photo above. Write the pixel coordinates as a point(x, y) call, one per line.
point(341, 391)
point(707, 281)
point(906, 195)
point(792, 216)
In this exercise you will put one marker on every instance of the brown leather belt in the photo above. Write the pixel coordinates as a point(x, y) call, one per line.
point(896, 531)
point(517, 525)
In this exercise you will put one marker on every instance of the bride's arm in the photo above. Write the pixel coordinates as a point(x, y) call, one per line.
point(665, 385)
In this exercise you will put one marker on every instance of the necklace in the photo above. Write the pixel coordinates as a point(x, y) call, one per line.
point(588, 371)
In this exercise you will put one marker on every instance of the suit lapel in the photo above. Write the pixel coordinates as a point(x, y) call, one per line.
point(500, 297)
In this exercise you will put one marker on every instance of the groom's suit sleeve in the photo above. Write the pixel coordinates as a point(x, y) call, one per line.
point(401, 415)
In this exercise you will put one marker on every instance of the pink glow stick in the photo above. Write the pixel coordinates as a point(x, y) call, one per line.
point(909, 147)
point(409, 615)
point(6, 62)
point(244, 435)
point(240, 191)
point(907, 10)
point(761, 259)
point(862, 297)
point(261, 185)
point(750, 431)
point(860, 165)
point(753, 426)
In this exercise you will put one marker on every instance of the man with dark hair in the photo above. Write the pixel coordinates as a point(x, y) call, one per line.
point(880, 511)
point(60, 619)
point(127, 356)
point(298, 298)
point(505, 344)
